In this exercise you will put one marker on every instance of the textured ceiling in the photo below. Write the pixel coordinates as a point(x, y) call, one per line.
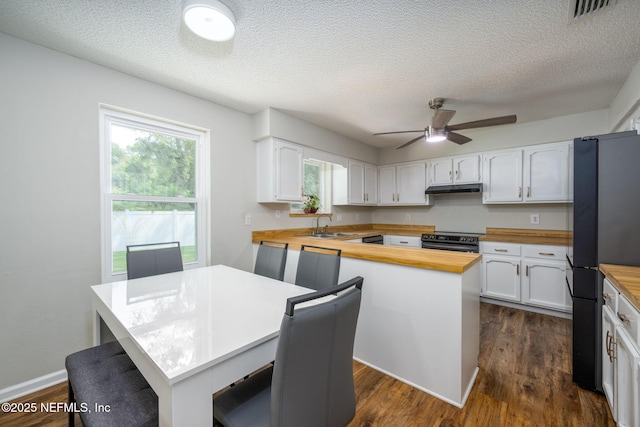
point(355, 66)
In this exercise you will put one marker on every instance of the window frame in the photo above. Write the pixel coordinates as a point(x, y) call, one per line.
point(115, 115)
point(325, 171)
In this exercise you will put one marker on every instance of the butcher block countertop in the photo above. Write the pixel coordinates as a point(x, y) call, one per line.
point(626, 279)
point(455, 262)
point(528, 236)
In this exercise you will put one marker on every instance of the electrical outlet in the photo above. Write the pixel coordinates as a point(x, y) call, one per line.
point(339, 217)
point(357, 217)
point(535, 219)
point(407, 217)
point(277, 214)
point(247, 219)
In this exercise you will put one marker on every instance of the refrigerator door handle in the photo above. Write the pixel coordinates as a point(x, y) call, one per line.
point(569, 287)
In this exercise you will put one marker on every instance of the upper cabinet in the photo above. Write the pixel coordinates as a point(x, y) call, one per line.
point(279, 171)
point(402, 184)
point(534, 174)
point(357, 184)
point(455, 170)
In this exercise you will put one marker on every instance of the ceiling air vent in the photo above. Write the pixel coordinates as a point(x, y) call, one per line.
point(581, 8)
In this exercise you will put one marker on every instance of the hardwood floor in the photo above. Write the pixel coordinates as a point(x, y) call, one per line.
point(524, 380)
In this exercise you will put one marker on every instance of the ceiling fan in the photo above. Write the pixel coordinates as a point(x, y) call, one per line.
point(439, 131)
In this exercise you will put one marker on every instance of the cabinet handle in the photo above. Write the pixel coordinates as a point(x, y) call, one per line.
point(449, 174)
point(610, 344)
point(517, 269)
point(519, 191)
point(528, 191)
point(546, 253)
point(526, 270)
point(501, 250)
point(302, 191)
point(456, 174)
point(403, 242)
point(624, 318)
point(606, 296)
point(398, 197)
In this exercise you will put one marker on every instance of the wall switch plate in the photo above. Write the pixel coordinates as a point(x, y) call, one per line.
point(247, 219)
point(407, 217)
point(535, 219)
point(357, 217)
point(339, 217)
point(277, 214)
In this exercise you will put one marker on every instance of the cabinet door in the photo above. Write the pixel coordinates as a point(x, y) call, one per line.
point(466, 169)
point(626, 387)
point(544, 284)
point(356, 183)
point(502, 177)
point(371, 184)
point(411, 184)
point(608, 371)
point(387, 185)
point(289, 164)
point(441, 171)
point(546, 173)
point(501, 278)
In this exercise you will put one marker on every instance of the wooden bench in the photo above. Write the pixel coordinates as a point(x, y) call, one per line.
point(108, 390)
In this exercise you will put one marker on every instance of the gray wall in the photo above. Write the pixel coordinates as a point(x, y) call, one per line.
point(49, 167)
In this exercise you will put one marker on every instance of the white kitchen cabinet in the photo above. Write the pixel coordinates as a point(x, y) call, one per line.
point(543, 282)
point(546, 173)
point(454, 170)
point(357, 184)
point(608, 365)
point(533, 174)
point(532, 275)
point(620, 356)
point(279, 171)
point(402, 184)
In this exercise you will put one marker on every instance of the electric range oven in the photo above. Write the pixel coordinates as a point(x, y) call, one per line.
point(452, 241)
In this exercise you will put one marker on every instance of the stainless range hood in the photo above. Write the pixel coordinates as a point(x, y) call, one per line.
point(454, 189)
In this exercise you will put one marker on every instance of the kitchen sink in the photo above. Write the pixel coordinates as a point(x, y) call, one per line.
point(328, 235)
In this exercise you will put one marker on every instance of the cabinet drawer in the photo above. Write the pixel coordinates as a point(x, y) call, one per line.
point(610, 295)
point(629, 318)
point(496, 248)
point(409, 241)
point(545, 252)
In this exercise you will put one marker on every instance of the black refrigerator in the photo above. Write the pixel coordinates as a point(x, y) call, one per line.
point(606, 229)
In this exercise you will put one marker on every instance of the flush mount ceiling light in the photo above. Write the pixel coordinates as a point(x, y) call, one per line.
point(210, 19)
point(435, 135)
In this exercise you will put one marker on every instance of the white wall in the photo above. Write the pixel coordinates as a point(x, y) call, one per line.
point(626, 106)
point(49, 166)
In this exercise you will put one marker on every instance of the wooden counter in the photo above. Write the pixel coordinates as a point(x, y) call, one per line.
point(626, 279)
point(528, 236)
point(455, 262)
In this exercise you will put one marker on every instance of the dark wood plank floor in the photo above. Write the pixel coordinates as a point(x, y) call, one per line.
point(524, 380)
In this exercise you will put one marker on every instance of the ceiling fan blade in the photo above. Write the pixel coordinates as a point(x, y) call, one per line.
point(401, 131)
point(410, 142)
point(457, 138)
point(441, 118)
point(495, 121)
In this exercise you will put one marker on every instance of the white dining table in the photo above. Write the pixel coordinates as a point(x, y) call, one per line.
point(193, 333)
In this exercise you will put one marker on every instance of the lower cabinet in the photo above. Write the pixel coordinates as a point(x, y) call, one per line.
point(532, 275)
point(620, 357)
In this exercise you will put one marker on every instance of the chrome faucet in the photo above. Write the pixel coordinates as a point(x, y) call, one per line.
point(318, 230)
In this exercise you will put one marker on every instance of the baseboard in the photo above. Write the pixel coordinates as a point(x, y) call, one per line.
point(531, 308)
point(15, 391)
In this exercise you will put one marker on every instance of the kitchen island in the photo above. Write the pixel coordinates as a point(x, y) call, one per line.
point(419, 316)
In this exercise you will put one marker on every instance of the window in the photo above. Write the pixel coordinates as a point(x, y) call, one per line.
point(152, 188)
point(317, 181)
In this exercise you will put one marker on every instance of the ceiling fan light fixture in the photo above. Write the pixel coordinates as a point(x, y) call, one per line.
point(435, 135)
point(209, 19)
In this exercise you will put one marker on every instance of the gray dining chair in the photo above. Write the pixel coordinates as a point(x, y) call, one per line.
point(318, 267)
point(271, 259)
point(311, 383)
point(153, 259)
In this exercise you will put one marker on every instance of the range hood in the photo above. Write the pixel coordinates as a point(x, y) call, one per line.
point(453, 189)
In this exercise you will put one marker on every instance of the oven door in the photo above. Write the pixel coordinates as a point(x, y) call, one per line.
point(458, 247)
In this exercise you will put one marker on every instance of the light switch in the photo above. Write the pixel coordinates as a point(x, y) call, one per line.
point(247, 219)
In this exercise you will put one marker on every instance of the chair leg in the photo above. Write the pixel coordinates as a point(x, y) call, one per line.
point(72, 413)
